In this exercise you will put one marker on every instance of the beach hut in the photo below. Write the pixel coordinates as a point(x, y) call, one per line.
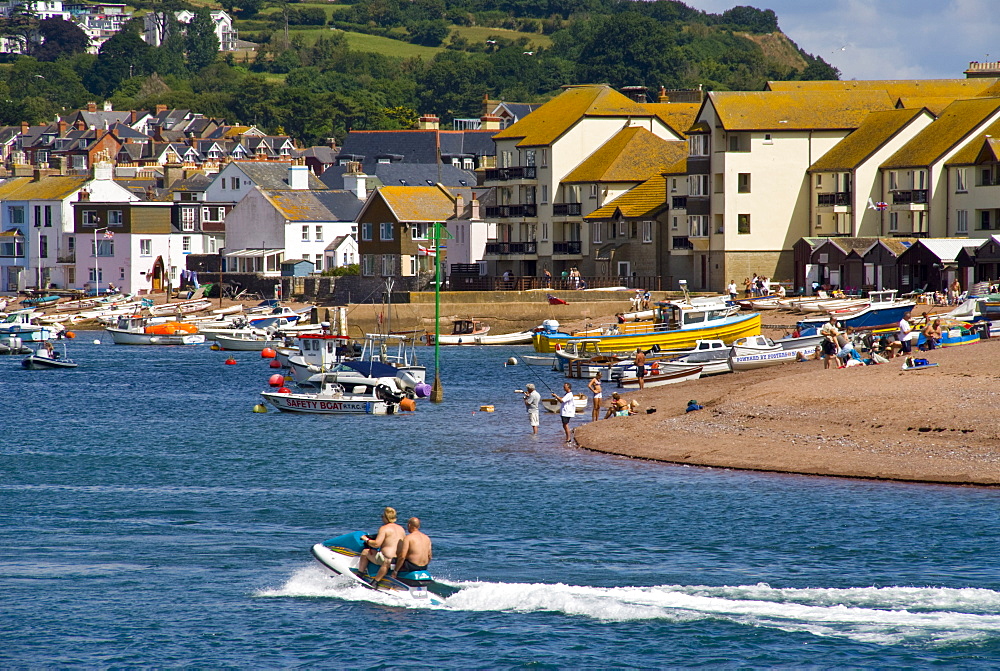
point(804, 271)
point(296, 268)
point(986, 261)
point(931, 264)
point(879, 262)
point(836, 264)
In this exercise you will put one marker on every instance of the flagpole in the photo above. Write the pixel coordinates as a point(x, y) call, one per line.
point(97, 269)
point(437, 392)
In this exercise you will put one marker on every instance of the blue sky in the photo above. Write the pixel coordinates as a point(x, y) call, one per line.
point(887, 39)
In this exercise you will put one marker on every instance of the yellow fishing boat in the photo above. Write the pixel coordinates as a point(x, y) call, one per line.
point(677, 325)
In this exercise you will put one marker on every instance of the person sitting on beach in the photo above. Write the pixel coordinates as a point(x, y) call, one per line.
point(415, 552)
point(932, 334)
point(618, 406)
point(620, 317)
point(383, 549)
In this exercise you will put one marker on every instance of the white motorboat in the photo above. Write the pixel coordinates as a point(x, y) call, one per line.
point(339, 395)
point(316, 353)
point(248, 340)
point(136, 330)
point(180, 308)
point(21, 324)
point(385, 355)
point(275, 317)
point(663, 378)
point(464, 332)
point(45, 359)
point(759, 351)
point(554, 404)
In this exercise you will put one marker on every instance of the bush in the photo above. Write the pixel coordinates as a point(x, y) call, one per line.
point(339, 271)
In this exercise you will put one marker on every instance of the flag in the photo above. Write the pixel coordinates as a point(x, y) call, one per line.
point(108, 235)
point(881, 206)
point(425, 251)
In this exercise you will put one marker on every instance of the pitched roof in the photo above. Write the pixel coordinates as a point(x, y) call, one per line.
point(336, 242)
point(414, 146)
point(273, 175)
point(54, 187)
point(633, 154)
point(947, 249)
point(848, 245)
point(960, 119)
point(934, 105)
point(678, 117)
point(306, 205)
point(547, 123)
point(404, 174)
point(970, 152)
point(875, 130)
point(796, 110)
point(418, 203)
point(895, 245)
point(895, 88)
point(644, 200)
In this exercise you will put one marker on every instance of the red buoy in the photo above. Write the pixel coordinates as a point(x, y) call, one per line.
point(230, 361)
point(276, 380)
point(268, 353)
point(275, 363)
point(284, 390)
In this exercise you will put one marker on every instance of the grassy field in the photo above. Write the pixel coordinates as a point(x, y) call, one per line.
point(328, 7)
point(480, 34)
point(373, 43)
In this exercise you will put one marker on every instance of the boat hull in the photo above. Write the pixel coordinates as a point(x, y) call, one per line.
point(670, 377)
point(737, 327)
point(315, 404)
point(554, 405)
point(44, 363)
point(123, 337)
point(246, 344)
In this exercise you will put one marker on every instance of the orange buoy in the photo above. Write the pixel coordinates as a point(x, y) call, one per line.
point(70, 334)
point(268, 353)
point(275, 363)
point(284, 390)
point(408, 404)
point(230, 361)
point(276, 380)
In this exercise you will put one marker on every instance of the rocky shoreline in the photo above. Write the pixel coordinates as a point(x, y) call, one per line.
point(937, 425)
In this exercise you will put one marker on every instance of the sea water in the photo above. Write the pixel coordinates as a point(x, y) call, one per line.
point(148, 517)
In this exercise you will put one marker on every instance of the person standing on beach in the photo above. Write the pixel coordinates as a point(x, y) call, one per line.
point(732, 290)
point(531, 400)
point(640, 367)
point(547, 278)
point(903, 334)
point(829, 333)
point(595, 387)
point(568, 409)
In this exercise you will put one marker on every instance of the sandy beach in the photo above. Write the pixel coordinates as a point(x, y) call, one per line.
point(935, 425)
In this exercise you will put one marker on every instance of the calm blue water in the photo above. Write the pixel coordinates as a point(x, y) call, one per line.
point(147, 517)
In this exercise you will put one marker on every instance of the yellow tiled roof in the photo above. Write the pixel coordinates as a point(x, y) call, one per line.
point(679, 167)
point(896, 245)
point(631, 155)
point(677, 116)
point(551, 120)
point(935, 105)
point(876, 129)
point(645, 200)
point(896, 88)
point(419, 203)
point(968, 154)
point(763, 110)
point(954, 124)
point(54, 187)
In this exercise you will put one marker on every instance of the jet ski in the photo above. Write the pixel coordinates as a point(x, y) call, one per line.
point(342, 555)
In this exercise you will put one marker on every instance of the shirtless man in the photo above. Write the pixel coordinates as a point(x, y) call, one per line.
point(388, 541)
point(415, 553)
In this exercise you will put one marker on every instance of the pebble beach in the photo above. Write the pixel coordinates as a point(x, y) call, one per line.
point(936, 425)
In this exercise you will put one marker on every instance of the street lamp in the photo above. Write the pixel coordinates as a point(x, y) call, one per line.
point(221, 263)
point(109, 235)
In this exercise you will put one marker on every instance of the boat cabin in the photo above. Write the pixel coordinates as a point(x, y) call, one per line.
point(131, 322)
point(698, 314)
point(467, 327)
point(320, 349)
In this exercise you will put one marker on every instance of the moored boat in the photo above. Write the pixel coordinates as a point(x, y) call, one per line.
point(248, 340)
point(760, 351)
point(180, 308)
point(667, 376)
point(45, 358)
point(336, 396)
point(131, 330)
point(464, 332)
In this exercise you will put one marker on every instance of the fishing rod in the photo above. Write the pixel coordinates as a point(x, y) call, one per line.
point(513, 355)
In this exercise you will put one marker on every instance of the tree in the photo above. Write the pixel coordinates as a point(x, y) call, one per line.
point(202, 42)
point(429, 33)
point(60, 38)
point(124, 55)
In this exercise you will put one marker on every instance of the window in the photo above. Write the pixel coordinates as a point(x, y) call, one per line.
point(545, 231)
point(767, 139)
point(743, 182)
point(961, 180)
point(529, 157)
point(962, 221)
point(366, 234)
point(89, 218)
point(698, 225)
point(673, 224)
point(545, 156)
point(12, 247)
point(319, 263)
point(622, 229)
point(984, 220)
point(96, 275)
point(43, 246)
point(121, 273)
point(318, 237)
point(743, 224)
point(384, 161)
point(734, 143)
point(593, 191)
point(698, 145)
point(468, 164)
point(15, 213)
point(647, 231)
point(71, 244)
point(115, 218)
point(698, 185)
point(368, 264)
point(819, 180)
point(48, 216)
point(214, 214)
point(186, 244)
point(673, 185)
point(104, 247)
point(70, 276)
point(893, 180)
point(893, 222)
point(529, 195)
point(187, 218)
point(598, 229)
point(385, 231)
point(38, 216)
point(388, 265)
point(987, 177)
point(413, 265)
point(505, 159)
point(234, 183)
point(545, 193)
point(305, 234)
point(145, 247)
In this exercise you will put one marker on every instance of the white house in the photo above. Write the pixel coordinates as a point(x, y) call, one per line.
point(153, 27)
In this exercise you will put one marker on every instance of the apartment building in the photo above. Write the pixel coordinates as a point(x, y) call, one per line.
point(973, 186)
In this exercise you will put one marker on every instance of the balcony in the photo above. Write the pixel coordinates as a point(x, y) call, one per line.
point(510, 174)
point(568, 247)
point(909, 200)
point(839, 199)
point(679, 202)
point(681, 243)
point(566, 209)
point(68, 257)
point(511, 211)
point(511, 248)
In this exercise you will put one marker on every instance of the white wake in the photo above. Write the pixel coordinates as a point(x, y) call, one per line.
point(877, 615)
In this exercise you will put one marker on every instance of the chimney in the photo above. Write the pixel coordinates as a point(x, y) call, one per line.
point(474, 208)
point(428, 122)
point(486, 103)
point(103, 170)
point(24, 127)
point(107, 106)
point(171, 173)
point(62, 126)
point(91, 107)
point(355, 180)
point(161, 108)
point(459, 206)
point(37, 175)
point(332, 142)
point(664, 98)
point(298, 175)
point(83, 195)
point(80, 125)
point(489, 122)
